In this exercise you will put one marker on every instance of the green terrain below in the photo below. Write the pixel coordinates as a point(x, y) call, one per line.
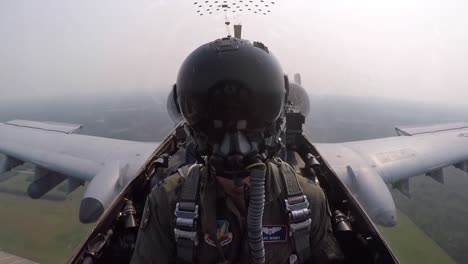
point(411, 245)
point(46, 231)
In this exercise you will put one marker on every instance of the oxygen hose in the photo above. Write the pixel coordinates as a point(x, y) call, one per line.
point(255, 212)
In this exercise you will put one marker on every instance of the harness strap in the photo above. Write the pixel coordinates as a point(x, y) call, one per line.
point(297, 207)
point(186, 212)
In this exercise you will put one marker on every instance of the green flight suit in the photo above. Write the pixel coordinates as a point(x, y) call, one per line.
point(219, 217)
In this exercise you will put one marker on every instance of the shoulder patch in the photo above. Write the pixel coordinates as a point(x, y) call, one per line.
point(275, 233)
point(172, 180)
point(223, 234)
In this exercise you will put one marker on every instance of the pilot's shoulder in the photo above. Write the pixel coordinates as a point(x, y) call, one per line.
point(313, 191)
point(171, 183)
point(168, 190)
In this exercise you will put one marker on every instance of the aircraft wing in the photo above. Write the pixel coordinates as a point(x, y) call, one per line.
point(55, 153)
point(366, 167)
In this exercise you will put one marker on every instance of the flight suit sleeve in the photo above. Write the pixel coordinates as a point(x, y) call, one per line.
point(155, 240)
point(325, 248)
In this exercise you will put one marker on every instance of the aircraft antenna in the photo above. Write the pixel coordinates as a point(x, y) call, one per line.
point(233, 7)
point(227, 23)
point(238, 31)
point(232, 10)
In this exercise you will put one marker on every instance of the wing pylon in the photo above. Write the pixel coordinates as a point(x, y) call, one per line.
point(57, 156)
point(420, 150)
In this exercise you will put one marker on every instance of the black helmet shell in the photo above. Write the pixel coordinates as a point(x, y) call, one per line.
point(231, 80)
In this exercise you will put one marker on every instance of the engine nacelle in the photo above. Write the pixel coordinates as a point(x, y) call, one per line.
point(373, 195)
point(101, 191)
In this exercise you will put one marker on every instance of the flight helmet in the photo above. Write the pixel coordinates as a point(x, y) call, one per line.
point(231, 85)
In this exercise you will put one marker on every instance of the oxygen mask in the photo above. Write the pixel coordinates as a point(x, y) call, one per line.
point(234, 152)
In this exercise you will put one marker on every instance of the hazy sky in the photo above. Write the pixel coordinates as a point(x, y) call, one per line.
point(411, 49)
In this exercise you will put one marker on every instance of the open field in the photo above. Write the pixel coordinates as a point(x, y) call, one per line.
point(411, 245)
point(41, 230)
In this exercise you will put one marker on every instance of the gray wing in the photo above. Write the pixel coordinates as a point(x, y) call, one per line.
point(56, 154)
point(366, 167)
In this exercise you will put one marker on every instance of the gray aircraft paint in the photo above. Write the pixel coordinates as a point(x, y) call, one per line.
point(365, 167)
point(108, 164)
point(392, 160)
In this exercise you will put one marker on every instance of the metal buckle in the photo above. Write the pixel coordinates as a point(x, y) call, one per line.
point(300, 225)
point(299, 214)
point(186, 218)
point(192, 235)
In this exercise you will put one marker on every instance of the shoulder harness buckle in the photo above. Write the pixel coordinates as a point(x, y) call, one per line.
point(297, 208)
point(299, 213)
point(186, 223)
point(187, 216)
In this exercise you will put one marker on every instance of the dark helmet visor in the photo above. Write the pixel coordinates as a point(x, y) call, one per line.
point(232, 105)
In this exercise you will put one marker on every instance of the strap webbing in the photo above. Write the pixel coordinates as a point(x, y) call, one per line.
point(185, 250)
point(292, 186)
point(190, 188)
point(187, 216)
point(302, 244)
point(297, 207)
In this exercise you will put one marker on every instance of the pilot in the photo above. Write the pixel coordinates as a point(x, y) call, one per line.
point(239, 203)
